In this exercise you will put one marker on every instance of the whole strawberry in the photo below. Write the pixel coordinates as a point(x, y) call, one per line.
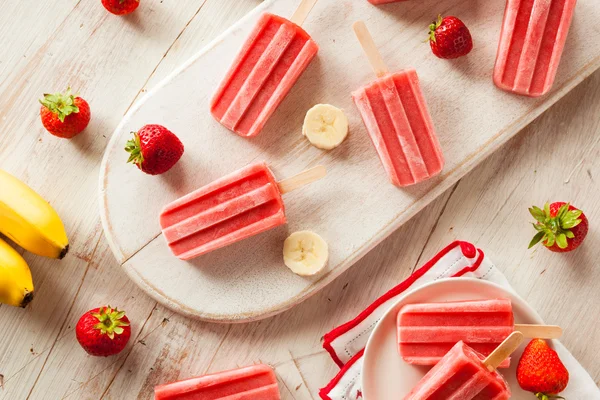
point(540, 371)
point(121, 7)
point(103, 331)
point(561, 227)
point(450, 38)
point(64, 115)
point(154, 149)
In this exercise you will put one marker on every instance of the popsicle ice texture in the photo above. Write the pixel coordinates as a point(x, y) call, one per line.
point(531, 44)
point(426, 332)
point(396, 116)
point(250, 383)
point(461, 375)
point(269, 64)
point(235, 207)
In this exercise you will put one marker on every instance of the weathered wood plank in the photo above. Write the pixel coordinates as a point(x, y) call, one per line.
point(106, 59)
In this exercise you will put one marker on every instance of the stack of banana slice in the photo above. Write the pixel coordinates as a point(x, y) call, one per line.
point(29, 221)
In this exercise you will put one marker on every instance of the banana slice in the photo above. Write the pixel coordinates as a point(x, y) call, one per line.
point(325, 126)
point(305, 253)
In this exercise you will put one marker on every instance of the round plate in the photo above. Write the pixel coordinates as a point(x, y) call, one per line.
point(387, 376)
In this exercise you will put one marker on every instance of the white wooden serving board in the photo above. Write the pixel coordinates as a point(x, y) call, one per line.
point(354, 207)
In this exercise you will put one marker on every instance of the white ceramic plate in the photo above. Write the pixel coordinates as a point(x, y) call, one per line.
point(387, 377)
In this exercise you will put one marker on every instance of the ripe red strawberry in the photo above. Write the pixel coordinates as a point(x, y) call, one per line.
point(449, 37)
point(154, 149)
point(103, 331)
point(121, 7)
point(64, 115)
point(561, 227)
point(540, 371)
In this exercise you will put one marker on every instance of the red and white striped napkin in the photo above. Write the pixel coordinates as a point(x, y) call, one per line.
point(347, 342)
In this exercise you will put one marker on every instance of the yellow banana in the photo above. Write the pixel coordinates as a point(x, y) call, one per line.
point(28, 219)
point(16, 286)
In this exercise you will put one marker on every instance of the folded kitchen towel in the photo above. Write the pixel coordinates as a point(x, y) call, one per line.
point(347, 342)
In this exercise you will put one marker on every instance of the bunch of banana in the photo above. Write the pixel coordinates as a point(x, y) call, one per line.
point(16, 285)
point(28, 220)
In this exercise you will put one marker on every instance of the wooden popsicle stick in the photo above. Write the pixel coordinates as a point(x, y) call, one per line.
point(302, 11)
point(370, 49)
point(539, 331)
point(503, 351)
point(302, 179)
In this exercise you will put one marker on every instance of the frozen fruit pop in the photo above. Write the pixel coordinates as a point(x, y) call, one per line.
point(270, 62)
point(531, 44)
point(396, 116)
point(250, 383)
point(427, 331)
point(463, 374)
point(235, 207)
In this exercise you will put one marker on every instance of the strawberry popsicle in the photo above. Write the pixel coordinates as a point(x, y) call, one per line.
point(235, 207)
point(270, 62)
point(461, 375)
point(426, 332)
point(250, 383)
point(531, 44)
point(397, 119)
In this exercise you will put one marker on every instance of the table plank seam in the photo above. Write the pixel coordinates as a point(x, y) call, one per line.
point(64, 323)
point(435, 225)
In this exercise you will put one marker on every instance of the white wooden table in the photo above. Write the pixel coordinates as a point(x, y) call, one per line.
point(48, 45)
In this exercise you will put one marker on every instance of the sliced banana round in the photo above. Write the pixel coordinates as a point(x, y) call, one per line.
point(325, 126)
point(305, 253)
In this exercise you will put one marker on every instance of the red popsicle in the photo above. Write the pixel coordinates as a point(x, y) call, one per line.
point(270, 62)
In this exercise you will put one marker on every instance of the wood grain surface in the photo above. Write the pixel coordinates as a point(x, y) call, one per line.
point(111, 61)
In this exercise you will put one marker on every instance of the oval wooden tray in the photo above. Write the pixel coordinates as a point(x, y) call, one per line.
point(354, 207)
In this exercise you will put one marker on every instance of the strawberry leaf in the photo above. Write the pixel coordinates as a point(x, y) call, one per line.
point(538, 214)
point(547, 209)
point(536, 239)
point(550, 239)
point(561, 241)
point(134, 148)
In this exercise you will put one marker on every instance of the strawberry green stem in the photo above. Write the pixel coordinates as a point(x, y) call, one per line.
point(110, 321)
point(134, 148)
point(554, 229)
point(60, 104)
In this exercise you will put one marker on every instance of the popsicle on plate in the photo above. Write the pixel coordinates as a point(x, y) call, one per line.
point(531, 44)
point(250, 383)
point(427, 331)
point(235, 207)
point(270, 62)
point(395, 114)
point(463, 374)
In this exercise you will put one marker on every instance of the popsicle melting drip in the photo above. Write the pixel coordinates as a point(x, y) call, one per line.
point(396, 116)
point(531, 44)
point(257, 382)
point(461, 375)
point(230, 209)
point(269, 64)
point(426, 332)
